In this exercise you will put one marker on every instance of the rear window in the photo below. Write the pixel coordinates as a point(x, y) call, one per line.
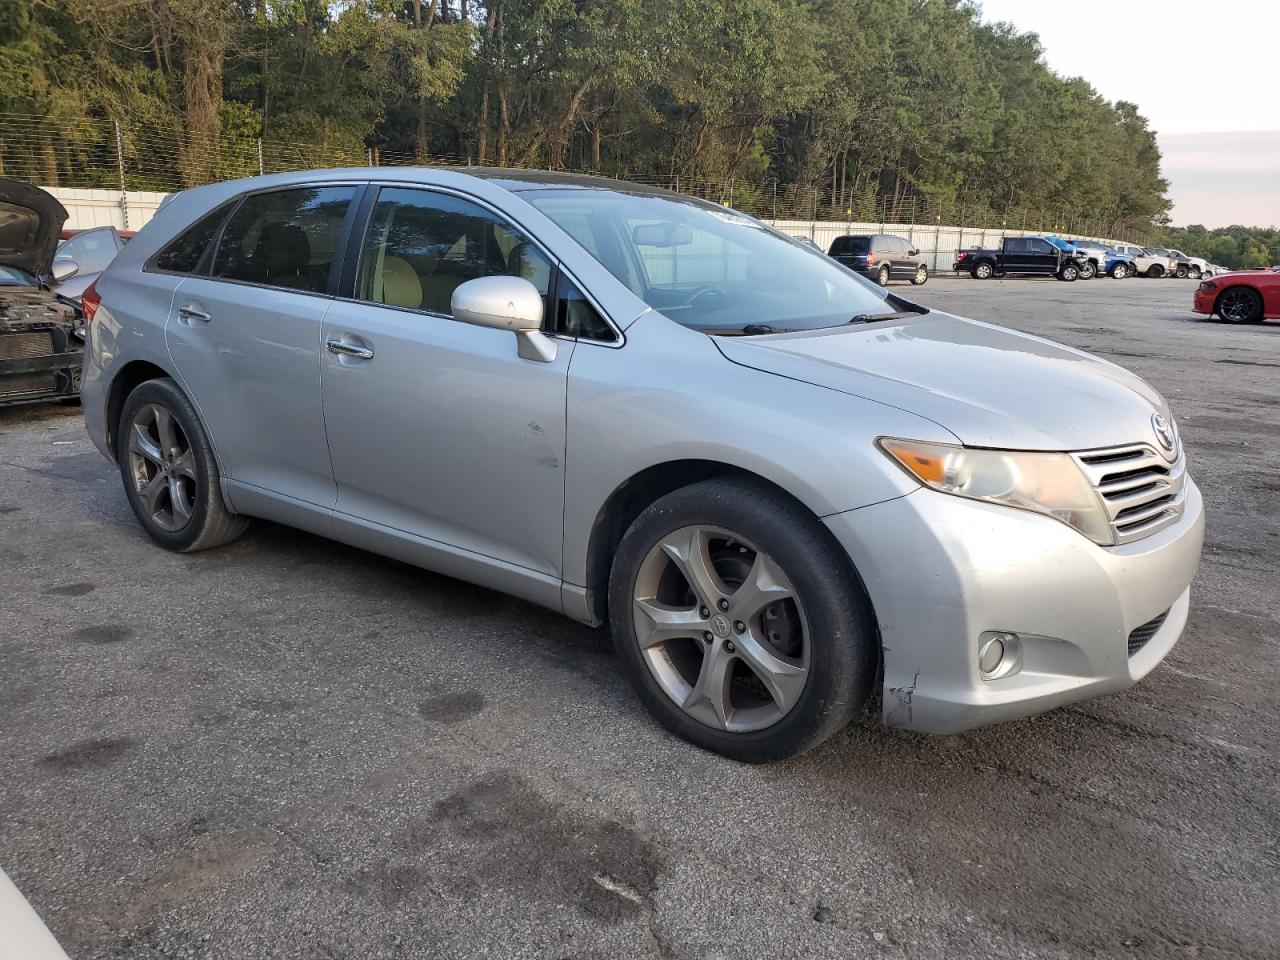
point(285, 238)
point(854, 245)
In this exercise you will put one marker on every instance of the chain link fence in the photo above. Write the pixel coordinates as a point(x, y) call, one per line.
point(127, 156)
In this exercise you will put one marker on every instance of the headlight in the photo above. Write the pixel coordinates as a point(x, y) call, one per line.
point(1208, 285)
point(1047, 483)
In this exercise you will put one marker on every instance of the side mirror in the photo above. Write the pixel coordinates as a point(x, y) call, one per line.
point(506, 303)
point(64, 269)
point(913, 252)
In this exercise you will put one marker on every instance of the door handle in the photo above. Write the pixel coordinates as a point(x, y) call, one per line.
point(349, 349)
point(190, 314)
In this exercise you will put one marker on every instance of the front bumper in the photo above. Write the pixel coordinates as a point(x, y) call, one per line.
point(942, 570)
point(1203, 301)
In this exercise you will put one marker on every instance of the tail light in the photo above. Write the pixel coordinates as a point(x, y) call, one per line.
point(962, 256)
point(90, 300)
point(871, 259)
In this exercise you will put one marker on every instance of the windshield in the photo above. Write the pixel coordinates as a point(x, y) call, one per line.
point(1059, 243)
point(13, 277)
point(709, 268)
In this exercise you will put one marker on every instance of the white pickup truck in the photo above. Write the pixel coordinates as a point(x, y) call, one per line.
point(1147, 261)
point(1193, 267)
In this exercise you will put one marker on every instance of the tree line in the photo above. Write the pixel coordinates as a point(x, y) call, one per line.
point(1237, 247)
point(896, 99)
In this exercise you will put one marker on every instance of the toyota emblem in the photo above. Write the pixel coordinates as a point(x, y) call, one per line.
point(1164, 432)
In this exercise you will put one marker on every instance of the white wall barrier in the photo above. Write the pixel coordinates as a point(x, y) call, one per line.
point(106, 208)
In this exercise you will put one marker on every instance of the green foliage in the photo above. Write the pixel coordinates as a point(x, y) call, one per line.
point(836, 104)
point(1240, 248)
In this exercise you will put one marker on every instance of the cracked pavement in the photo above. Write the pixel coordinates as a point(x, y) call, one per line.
point(289, 748)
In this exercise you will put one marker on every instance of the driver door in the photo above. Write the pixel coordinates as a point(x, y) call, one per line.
point(437, 429)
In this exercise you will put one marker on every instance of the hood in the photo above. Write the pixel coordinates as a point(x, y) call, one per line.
point(990, 386)
point(30, 222)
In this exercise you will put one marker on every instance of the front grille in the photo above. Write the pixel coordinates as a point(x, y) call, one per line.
point(19, 346)
point(20, 385)
point(1140, 635)
point(1142, 491)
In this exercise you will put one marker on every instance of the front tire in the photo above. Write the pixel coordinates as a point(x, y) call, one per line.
point(1070, 272)
point(1239, 305)
point(1181, 272)
point(1119, 271)
point(740, 622)
point(922, 276)
point(1194, 273)
point(170, 475)
point(1088, 271)
point(1155, 270)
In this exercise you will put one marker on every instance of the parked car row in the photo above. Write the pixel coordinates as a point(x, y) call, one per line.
point(1071, 260)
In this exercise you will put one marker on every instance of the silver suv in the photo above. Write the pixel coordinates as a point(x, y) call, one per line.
point(780, 485)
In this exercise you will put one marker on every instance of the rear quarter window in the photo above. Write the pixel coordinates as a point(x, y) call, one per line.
point(183, 253)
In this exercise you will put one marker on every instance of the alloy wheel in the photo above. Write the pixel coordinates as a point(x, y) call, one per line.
point(1237, 306)
point(721, 629)
point(163, 467)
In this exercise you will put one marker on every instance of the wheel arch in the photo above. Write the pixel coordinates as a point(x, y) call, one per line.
point(1238, 285)
point(637, 492)
point(126, 380)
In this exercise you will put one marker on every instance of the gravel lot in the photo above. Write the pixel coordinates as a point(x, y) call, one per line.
point(289, 748)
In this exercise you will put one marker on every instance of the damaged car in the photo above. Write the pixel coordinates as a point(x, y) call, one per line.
point(41, 334)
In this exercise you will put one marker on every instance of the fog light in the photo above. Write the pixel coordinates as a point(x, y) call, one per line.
point(990, 655)
point(999, 655)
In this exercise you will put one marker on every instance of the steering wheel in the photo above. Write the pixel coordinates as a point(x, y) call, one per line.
point(711, 294)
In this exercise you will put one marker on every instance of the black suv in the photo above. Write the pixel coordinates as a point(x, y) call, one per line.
point(880, 256)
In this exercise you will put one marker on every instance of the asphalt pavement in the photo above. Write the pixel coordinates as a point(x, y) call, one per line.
point(291, 748)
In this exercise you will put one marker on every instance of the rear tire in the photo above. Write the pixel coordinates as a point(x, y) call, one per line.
point(822, 632)
point(922, 276)
point(169, 471)
point(1181, 272)
point(1155, 270)
point(1239, 305)
point(1089, 270)
point(882, 277)
point(982, 271)
point(1119, 271)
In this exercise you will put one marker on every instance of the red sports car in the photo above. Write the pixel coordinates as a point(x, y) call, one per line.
point(1249, 296)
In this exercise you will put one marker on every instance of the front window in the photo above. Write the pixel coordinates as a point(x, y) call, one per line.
point(709, 268)
point(423, 245)
point(91, 251)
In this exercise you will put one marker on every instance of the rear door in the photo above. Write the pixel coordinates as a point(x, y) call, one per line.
point(437, 428)
point(246, 338)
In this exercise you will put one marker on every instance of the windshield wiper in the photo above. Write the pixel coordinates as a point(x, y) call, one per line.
point(873, 317)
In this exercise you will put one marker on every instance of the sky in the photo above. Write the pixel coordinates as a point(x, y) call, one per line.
point(1203, 73)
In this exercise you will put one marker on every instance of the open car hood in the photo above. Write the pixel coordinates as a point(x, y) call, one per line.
point(30, 222)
